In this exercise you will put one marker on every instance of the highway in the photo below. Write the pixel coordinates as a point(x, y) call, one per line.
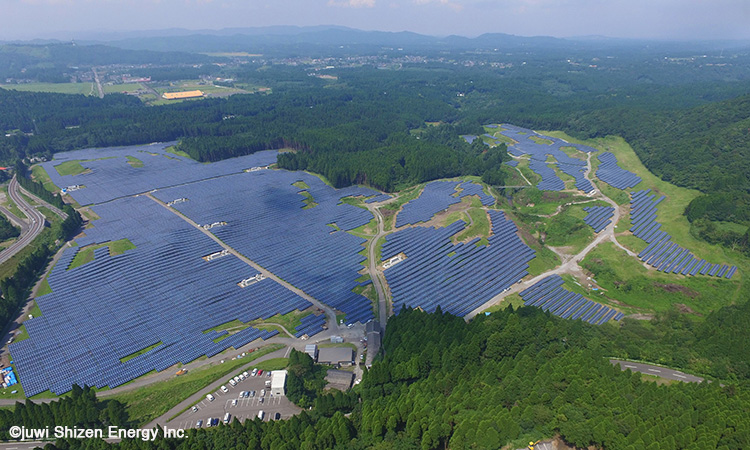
point(36, 226)
point(657, 371)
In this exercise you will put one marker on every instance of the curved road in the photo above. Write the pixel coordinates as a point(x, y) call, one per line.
point(36, 226)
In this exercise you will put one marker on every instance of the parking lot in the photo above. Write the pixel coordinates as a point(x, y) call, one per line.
point(234, 403)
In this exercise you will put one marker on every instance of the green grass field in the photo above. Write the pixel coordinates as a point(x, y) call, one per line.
point(626, 280)
point(120, 88)
point(149, 402)
point(70, 168)
point(134, 162)
point(140, 352)
point(540, 141)
point(480, 225)
point(173, 150)
point(58, 88)
point(12, 207)
point(39, 174)
point(86, 254)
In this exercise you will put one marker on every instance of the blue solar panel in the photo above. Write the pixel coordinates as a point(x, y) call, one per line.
point(539, 153)
point(614, 175)
point(550, 295)
point(598, 217)
point(458, 277)
point(661, 253)
point(438, 196)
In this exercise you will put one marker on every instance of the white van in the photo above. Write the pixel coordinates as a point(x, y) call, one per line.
point(261, 414)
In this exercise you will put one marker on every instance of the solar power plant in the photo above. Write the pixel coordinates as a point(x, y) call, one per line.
point(661, 253)
point(438, 196)
point(469, 138)
point(614, 175)
point(266, 222)
point(458, 277)
point(511, 163)
point(163, 291)
point(539, 153)
point(111, 178)
point(550, 295)
point(598, 217)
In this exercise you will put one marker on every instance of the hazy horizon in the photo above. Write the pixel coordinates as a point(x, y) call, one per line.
point(638, 19)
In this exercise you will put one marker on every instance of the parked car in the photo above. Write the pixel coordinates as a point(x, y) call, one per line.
point(224, 389)
point(210, 397)
point(199, 424)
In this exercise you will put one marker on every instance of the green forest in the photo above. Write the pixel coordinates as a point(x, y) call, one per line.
point(506, 378)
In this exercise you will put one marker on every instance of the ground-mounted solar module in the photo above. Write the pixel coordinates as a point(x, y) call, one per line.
point(610, 172)
point(457, 277)
point(263, 217)
point(109, 175)
point(550, 295)
point(661, 253)
point(160, 299)
point(162, 292)
point(539, 153)
point(598, 217)
point(469, 138)
point(438, 196)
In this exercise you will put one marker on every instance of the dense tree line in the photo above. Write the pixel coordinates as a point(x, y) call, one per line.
point(79, 409)
point(305, 379)
point(36, 188)
point(7, 229)
point(510, 377)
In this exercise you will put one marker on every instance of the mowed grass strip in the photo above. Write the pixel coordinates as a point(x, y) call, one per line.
point(70, 168)
point(86, 254)
point(39, 174)
point(149, 402)
point(57, 88)
point(134, 162)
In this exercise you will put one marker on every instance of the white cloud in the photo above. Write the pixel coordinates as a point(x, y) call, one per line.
point(352, 3)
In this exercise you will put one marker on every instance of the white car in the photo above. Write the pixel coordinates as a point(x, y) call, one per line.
point(224, 389)
point(232, 382)
point(236, 379)
point(242, 377)
point(210, 397)
point(246, 374)
point(234, 402)
point(195, 408)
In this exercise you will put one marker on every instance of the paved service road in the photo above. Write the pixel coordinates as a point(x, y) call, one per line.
point(36, 226)
point(658, 371)
point(374, 274)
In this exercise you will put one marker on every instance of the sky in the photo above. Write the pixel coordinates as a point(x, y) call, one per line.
point(651, 19)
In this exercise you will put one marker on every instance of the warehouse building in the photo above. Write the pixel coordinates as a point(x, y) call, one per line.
point(181, 95)
point(278, 380)
point(336, 356)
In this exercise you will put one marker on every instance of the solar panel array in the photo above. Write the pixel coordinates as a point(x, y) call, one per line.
point(311, 325)
point(538, 153)
point(161, 291)
point(266, 223)
point(438, 196)
point(469, 138)
point(550, 295)
point(598, 217)
point(112, 178)
point(458, 277)
point(511, 163)
point(614, 175)
point(661, 252)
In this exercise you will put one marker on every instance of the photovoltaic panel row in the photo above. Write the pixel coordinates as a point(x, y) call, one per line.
point(438, 196)
point(611, 173)
point(661, 252)
point(550, 295)
point(266, 222)
point(457, 277)
point(311, 325)
point(161, 292)
point(108, 174)
point(539, 153)
point(598, 217)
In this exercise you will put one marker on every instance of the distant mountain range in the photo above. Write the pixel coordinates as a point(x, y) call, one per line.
point(295, 40)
